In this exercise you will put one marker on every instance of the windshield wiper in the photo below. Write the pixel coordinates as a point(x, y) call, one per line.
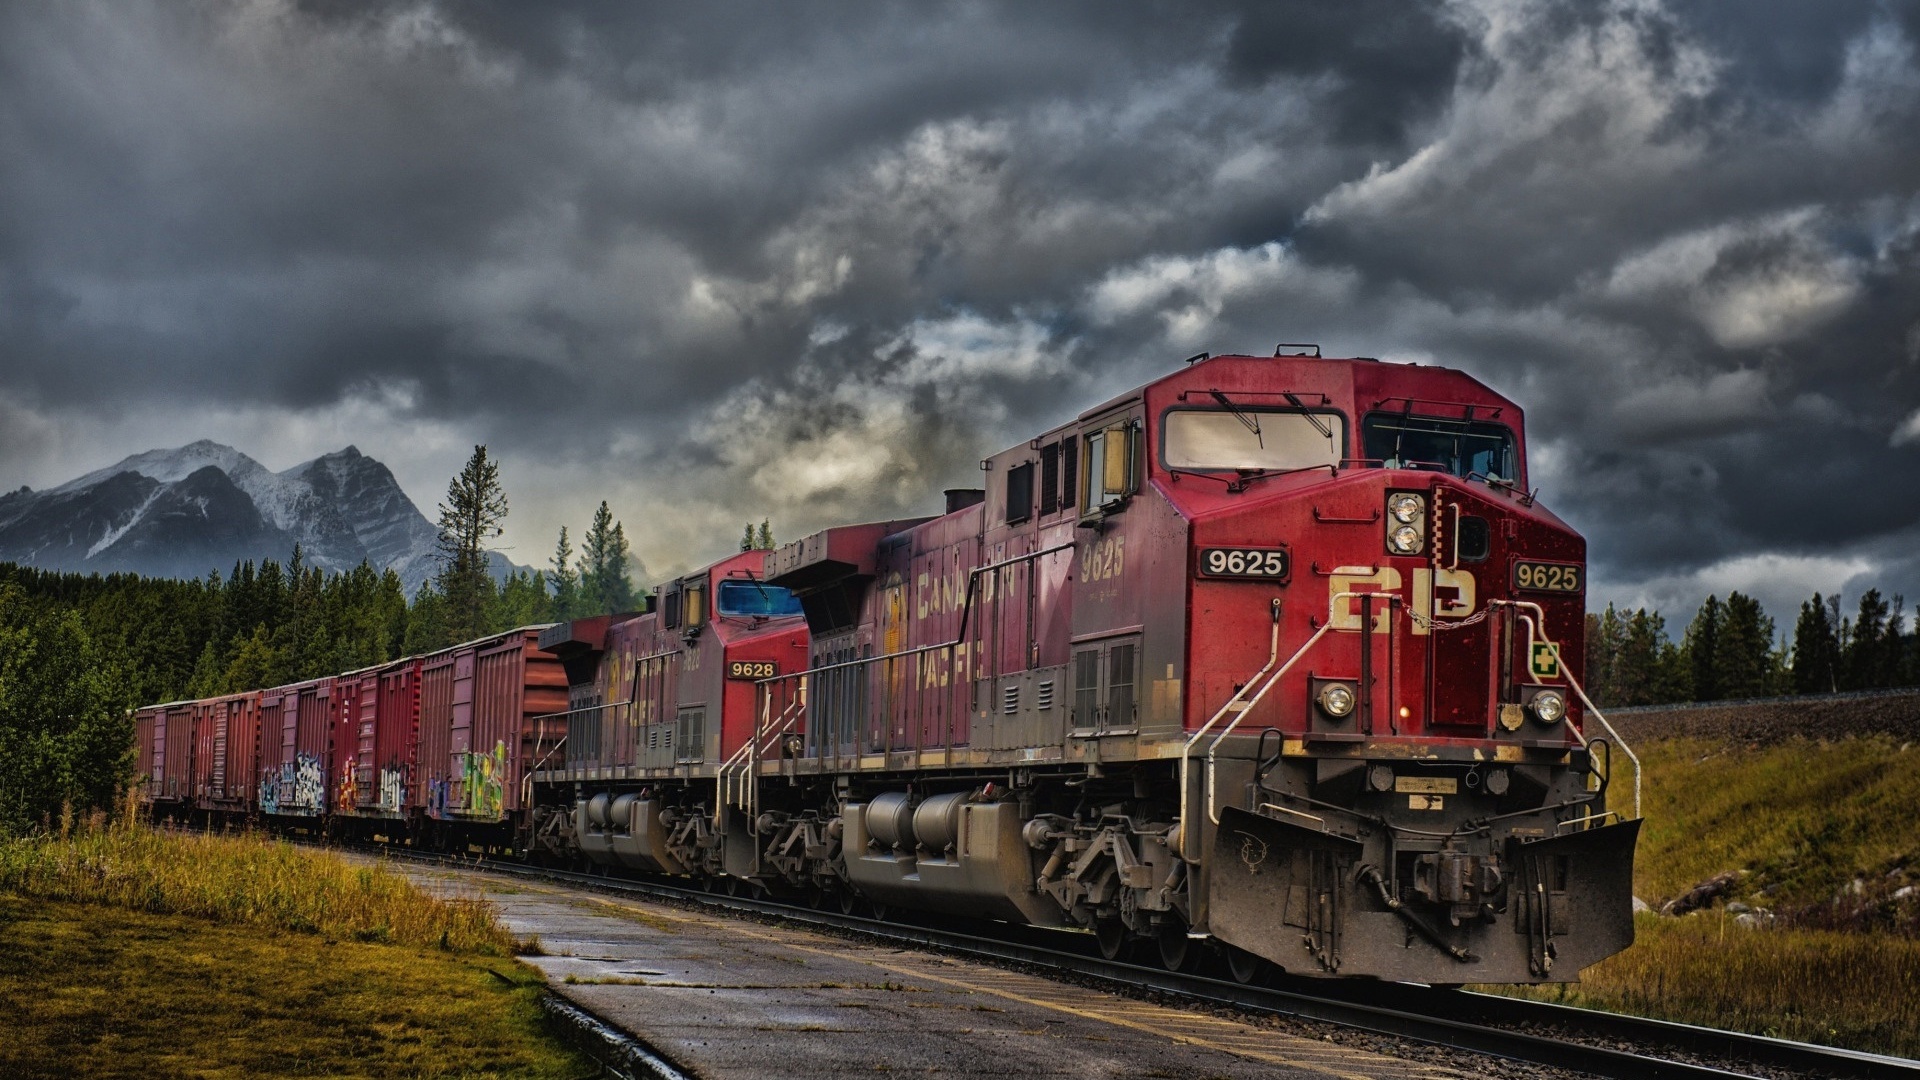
point(1318, 424)
point(1251, 424)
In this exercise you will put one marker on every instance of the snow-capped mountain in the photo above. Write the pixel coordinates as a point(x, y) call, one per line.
point(205, 506)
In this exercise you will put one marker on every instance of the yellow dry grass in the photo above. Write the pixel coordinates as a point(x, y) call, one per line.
point(244, 879)
point(1823, 834)
point(1860, 991)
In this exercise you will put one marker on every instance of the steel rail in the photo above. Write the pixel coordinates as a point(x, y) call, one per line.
point(1460, 1020)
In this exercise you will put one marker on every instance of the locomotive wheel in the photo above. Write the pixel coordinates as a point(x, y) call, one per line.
point(1245, 967)
point(1177, 950)
point(1112, 937)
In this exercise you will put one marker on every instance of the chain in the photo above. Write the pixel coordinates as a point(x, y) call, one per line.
point(1459, 624)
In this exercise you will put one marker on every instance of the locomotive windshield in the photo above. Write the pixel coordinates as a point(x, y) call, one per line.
point(1460, 447)
point(1244, 438)
point(754, 598)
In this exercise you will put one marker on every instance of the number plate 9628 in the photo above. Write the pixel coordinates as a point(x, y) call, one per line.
point(1547, 577)
point(1267, 564)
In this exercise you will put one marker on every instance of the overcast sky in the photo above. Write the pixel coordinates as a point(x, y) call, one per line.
point(813, 260)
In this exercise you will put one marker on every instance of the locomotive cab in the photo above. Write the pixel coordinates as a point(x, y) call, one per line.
point(1384, 725)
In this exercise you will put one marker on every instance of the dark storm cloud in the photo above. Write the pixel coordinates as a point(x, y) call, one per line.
point(814, 260)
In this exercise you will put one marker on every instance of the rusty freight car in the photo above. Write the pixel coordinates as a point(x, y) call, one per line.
point(296, 745)
point(226, 737)
point(479, 733)
point(377, 746)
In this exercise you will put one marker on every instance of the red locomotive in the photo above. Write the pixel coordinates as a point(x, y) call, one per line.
point(1279, 653)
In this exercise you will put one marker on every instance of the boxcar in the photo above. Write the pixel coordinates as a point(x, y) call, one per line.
point(226, 738)
point(380, 738)
point(478, 732)
point(296, 736)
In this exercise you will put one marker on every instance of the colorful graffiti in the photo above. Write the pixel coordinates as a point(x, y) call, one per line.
point(309, 784)
point(485, 782)
point(295, 787)
point(349, 788)
point(477, 788)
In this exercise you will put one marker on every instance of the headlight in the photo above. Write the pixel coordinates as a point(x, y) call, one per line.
point(1336, 699)
point(1406, 522)
point(1548, 706)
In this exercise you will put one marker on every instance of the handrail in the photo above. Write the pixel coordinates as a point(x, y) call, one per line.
point(1186, 752)
point(965, 611)
point(737, 769)
point(1213, 812)
point(1567, 674)
point(526, 778)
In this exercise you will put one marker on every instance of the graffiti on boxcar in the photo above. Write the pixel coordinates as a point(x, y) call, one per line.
point(485, 782)
point(392, 782)
point(477, 789)
point(349, 788)
point(270, 791)
point(309, 783)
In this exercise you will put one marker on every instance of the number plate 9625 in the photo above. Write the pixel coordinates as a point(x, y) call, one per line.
point(1267, 564)
point(1547, 577)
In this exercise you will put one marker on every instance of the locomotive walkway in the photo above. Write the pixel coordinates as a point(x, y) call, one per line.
point(724, 998)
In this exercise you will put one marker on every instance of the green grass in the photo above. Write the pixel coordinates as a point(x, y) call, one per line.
point(1804, 818)
point(100, 991)
point(1824, 836)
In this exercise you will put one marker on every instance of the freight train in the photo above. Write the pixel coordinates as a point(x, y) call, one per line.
point(1274, 659)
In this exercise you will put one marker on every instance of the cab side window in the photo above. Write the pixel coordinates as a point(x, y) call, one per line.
point(1111, 466)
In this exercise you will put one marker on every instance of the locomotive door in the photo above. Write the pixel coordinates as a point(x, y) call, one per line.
point(837, 705)
point(1460, 654)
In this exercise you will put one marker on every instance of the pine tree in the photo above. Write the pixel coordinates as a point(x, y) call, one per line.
point(1743, 649)
point(765, 540)
point(1606, 634)
point(390, 604)
point(471, 516)
point(1815, 650)
point(604, 559)
point(426, 622)
point(563, 582)
point(747, 542)
point(1701, 649)
point(522, 601)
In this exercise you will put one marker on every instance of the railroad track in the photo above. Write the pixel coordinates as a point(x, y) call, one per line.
point(1533, 1032)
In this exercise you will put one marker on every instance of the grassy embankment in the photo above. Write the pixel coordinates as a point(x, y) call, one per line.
point(1824, 835)
point(129, 952)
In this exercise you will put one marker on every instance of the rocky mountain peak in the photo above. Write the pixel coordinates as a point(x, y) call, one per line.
point(183, 511)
